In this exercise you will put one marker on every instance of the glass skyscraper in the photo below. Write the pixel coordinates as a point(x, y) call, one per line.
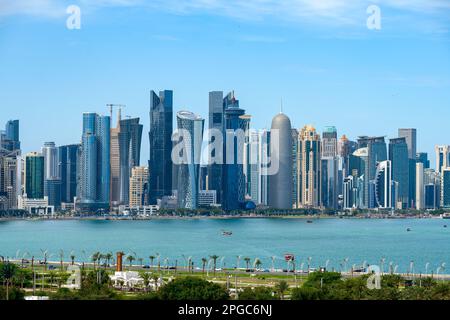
point(34, 176)
point(398, 155)
point(233, 173)
point(95, 162)
point(191, 129)
point(68, 157)
point(161, 129)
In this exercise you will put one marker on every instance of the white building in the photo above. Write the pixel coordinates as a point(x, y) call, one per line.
point(207, 198)
point(36, 206)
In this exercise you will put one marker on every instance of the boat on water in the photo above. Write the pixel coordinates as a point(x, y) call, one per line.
point(446, 216)
point(409, 230)
point(227, 233)
point(309, 221)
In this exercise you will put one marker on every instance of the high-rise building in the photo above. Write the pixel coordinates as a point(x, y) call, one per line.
point(259, 158)
point(350, 193)
point(294, 167)
point(445, 188)
point(68, 164)
point(308, 175)
point(329, 188)
point(138, 181)
point(398, 155)
point(216, 131)
point(384, 186)
point(50, 153)
point(442, 158)
point(410, 136)
point(10, 185)
point(246, 154)
point(34, 176)
point(190, 130)
point(377, 152)
point(420, 187)
point(280, 183)
point(161, 129)
point(359, 161)
point(10, 139)
point(422, 157)
point(95, 162)
point(329, 142)
point(233, 171)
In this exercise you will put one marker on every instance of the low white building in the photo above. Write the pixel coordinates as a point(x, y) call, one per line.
point(36, 206)
point(130, 279)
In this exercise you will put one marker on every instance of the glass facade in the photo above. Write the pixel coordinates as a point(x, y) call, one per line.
point(160, 135)
point(398, 155)
point(34, 176)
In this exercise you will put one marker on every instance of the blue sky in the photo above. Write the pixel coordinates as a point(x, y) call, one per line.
point(318, 56)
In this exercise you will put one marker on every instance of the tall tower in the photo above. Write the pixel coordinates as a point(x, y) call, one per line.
point(280, 184)
point(410, 136)
point(398, 155)
point(329, 142)
point(95, 162)
point(192, 127)
point(217, 124)
point(308, 177)
point(233, 171)
point(34, 176)
point(160, 135)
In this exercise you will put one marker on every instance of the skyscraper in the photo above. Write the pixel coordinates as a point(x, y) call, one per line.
point(377, 152)
point(384, 186)
point(410, 136)
point(420, 187)
point(190, 128)
point(281, 152)
point(12, 136)
point(161, 129)
point(138, 181)
point(34, 176)
point(422, 157)
point(442, 157)
point(398, 155)
point(233, 172)
point(95, 162)
point(50, 153)
point(68, 163)
point(308, 176)
point(329, 142)
point(445, 188)
point(10, 185)
point(216, 123)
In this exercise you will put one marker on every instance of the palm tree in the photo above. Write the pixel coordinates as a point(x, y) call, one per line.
point(61, 259)
point(146, 278)
point(72, 258)
point(95, 258)
point(281, 288)
point(258, 263)
point(152, 258)
point(7, 273)
point(204, 262)
point(214, 259)
point(108, 256)
point(130, 259)
point(141, 261)
point(247, 262)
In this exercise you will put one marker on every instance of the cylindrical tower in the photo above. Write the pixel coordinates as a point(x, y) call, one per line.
point(280, 184)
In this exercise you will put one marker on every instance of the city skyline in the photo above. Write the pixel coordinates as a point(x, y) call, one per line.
point(398, 75)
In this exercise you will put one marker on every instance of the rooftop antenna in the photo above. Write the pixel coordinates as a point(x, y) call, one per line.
point(281, 106)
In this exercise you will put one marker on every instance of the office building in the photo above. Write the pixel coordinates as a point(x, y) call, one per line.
point(190, 130)
point(34, 176)
point(384, 186)
point(445, 188)
point(398, 155)
point(68, 166)
point(207, 198)
point(233, 171)
point(410, 136)
point(420, 187)
point(161, 129)
point(95, 163)
point(281, 155)
point(422, 157)
point(138, 186)
point(329, 142)
point(308, 164)
point(442, 158)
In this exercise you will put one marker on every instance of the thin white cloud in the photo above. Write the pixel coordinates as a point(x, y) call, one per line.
point(302, 11)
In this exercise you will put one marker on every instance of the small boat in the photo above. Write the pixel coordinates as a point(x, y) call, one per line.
point(445, 226)
point(409, 230)
point(227, 233)
point(309, 221)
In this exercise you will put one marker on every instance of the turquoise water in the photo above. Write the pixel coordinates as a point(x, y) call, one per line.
point(325, 239)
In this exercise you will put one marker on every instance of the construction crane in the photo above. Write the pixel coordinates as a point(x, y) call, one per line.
point(111, 107)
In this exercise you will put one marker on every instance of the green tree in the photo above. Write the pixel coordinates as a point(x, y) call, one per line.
point(130, 259)
point(192, 288)
point(214, 259)
point(306, 293)
point(281, 288)
point(7, 273)
point(204, 262)
point(258, 293)
point(247, 262)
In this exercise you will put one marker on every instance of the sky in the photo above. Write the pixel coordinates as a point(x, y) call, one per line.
point(318, 57)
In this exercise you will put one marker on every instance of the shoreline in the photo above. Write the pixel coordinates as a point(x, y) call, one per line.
point(221, 217)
